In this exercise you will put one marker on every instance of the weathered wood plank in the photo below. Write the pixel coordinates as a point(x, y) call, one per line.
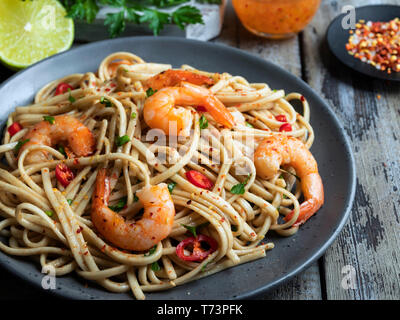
point(370, 240)
point(287, 55)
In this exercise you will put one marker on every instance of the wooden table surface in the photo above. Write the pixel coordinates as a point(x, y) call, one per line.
point(367, 249)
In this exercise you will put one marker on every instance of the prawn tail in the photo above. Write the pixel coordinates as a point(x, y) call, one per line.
point(307, 210)
point(102, 191)
point(219, 112)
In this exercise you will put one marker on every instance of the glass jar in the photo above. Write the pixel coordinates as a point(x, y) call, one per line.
point(275, 19)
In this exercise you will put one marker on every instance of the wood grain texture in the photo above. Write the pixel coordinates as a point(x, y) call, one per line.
point(370, 240)
point(287, 55)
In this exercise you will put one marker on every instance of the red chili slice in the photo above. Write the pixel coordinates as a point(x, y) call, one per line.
point(194, 245)
point(62, 88)
point(64, 174)
point(285, 127)
point(199, 179)
point(201, 109)
point(281, 118)
point(14, 128)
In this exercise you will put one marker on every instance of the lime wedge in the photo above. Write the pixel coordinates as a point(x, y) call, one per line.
point(32, 30)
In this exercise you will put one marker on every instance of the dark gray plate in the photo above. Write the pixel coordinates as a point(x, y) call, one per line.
point(291, 255)
point(337, 38)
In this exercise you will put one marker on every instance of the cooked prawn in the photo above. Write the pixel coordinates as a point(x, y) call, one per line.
point(160, 109)
point(171, 78)
point(280, 150)
point(112, 67)
point(154, 226)
point(64, 128)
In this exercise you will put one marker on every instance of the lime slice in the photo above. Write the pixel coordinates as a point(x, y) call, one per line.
point(32, 30)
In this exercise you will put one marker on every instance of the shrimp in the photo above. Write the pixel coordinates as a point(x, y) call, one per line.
point(160, 109)
point(112, 67)
point(285, 150)
point(171, 78)
point(64, 128)
point(141, 235)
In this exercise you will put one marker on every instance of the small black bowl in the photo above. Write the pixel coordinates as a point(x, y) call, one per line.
point(337, 38)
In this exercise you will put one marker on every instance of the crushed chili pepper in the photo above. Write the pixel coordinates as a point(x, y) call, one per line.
point(377, 43)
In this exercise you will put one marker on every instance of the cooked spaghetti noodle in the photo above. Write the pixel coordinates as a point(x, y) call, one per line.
point(51, 219)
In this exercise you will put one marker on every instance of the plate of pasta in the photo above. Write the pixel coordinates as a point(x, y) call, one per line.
point(165, 168)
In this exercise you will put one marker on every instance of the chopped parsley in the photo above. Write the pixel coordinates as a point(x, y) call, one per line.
point(49, 213)
point(49, 119)
point(71, 98)
point(203, 122)
point(106, 102)
point(249, 125)
point(119, 206)
point(171, 186)
point(20, 144)
point(239, 188)
point(193, 229)
point(150, 92)
point(151, 251)
point(61, 150)
point(155, 266)
point(69, 201)
point(133, 115)
point(122, 140)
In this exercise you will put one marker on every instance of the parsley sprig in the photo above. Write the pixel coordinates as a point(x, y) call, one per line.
point(136, 11)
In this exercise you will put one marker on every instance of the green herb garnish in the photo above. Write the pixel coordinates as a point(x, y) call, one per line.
point(192, 229)
point(171, 186)
point(150, 92)
point(138, 12)
point(133, 115)
point(61, 149)
point(71, 98)
point(20, 144)
point(203, 122)
point(49, 213)
point(239, 188)
point(49, 119)
point(106, 102)
point(69, 201)
point(155, 266)
point(122, 140)
point(151, 251)
point(249, 125)
point(119, 206)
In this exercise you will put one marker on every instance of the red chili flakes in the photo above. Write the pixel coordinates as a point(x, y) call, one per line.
point(302, 99)
point(377, 43)
point(76, 161)
point(79, 230)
